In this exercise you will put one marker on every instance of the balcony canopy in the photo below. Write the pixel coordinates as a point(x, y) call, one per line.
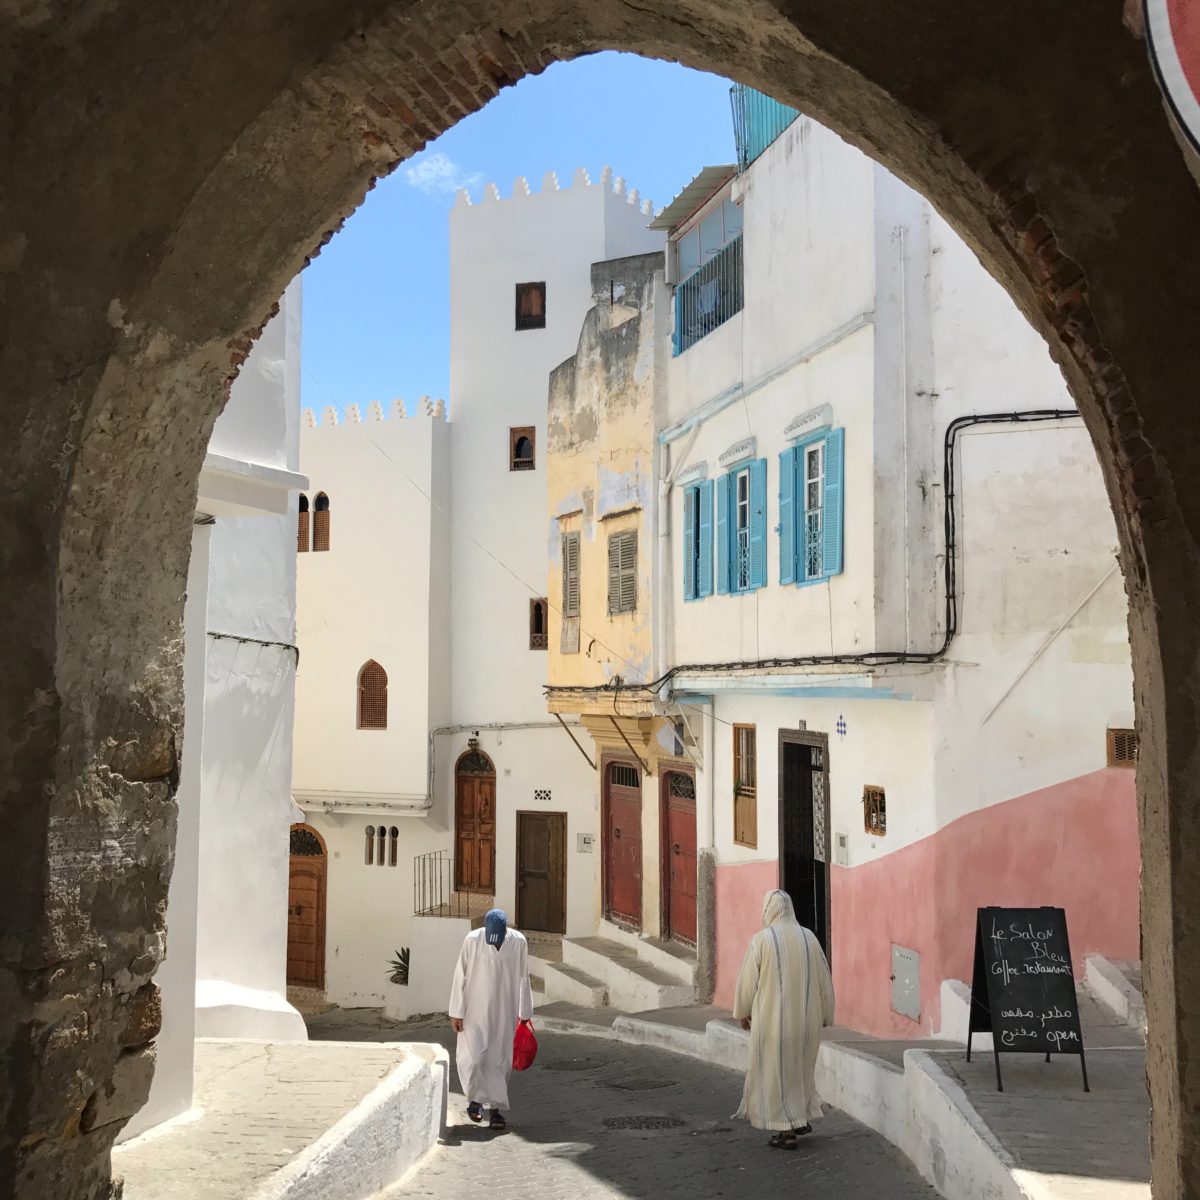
point(693, 197)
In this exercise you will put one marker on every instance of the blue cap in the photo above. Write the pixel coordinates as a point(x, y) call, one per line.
point(495, 926)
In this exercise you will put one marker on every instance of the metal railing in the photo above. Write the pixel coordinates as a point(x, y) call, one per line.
point(709, 296)
point(757, 122)
point(434, 891)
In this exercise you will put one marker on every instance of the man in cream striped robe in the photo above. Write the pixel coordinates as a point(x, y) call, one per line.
point(784, 996)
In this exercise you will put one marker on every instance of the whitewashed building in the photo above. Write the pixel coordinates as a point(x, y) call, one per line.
point(225, 965)
point(430, 775)
point(888, 622)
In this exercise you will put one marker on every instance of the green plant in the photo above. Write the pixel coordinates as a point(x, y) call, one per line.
point(398, 967)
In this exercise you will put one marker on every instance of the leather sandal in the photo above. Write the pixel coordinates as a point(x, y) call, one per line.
point(783, 1141)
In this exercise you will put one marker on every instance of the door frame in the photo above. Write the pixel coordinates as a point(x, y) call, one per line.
point(819, 741)
point(472, 751)
point(607, 759)
point(321, 907)
point(534, 812)
point(664, 859)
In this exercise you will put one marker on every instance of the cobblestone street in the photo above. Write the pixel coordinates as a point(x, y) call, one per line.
point(598, 1120)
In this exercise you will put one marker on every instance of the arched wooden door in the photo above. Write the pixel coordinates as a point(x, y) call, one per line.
point(475, 822)
point(679, 856)
point(306, 909)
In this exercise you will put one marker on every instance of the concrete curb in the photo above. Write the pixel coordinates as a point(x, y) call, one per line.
point(379, 1140)
point(1110, 987)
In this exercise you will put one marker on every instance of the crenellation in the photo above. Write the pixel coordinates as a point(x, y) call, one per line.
point(376, 410)
point(520, 187)
point(550, 182)
point(398, 411)
point(377, 413)
point(581, 177)
point(331, 415)
point(353, 413)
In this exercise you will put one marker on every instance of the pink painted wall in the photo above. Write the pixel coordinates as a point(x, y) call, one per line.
point(739, 902)
point(1074, 845)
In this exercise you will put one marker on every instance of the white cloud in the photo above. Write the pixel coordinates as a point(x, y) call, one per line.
point(437, 173)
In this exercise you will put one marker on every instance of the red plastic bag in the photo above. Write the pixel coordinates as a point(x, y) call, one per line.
point(524, 1047)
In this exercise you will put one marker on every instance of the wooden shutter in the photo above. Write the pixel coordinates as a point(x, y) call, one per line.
point(787, 516)
point(724, 558)
point(705, 582)
point(622, 572)
point(570, 559)
point(690, 500)
point(758, 523)
point(831, 515)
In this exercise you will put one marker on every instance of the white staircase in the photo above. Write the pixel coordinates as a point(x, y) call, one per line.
point(618, 969)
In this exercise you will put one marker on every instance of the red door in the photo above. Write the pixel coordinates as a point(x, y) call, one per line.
point(623, 845)
point(680, 850)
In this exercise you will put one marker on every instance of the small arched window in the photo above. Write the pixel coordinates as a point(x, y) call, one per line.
point(302, 525)
point(394, 846)
point(372, 697)
point(369, 856)
point(320, 539)
point(382, 846)
point(538, 611)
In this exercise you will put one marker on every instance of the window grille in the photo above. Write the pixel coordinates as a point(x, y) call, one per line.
point(745, 785)
point(321, 522)
point(570, 562)
point(521, 442)
point(304, 843)
point(683, 786)
point(531, 306)
point(542, 795)
point(622, 572)
point(381, 834)
point(623, 775)
point(538, 614)
point(874, 811)
point(1122, 748)
point(302, 536)
point(372, 697)
point(393, 846)
point(369, 856)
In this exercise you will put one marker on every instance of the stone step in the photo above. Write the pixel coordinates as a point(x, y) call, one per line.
point(574, 986)
point(633, 984)
point(671, 957)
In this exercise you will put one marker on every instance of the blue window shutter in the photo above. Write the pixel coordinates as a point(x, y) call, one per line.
point(832, 515)
point(677, 332)
point(705, 582)
point(758, 523)
point(787, 516)
point(689, 543)
point(723, 555)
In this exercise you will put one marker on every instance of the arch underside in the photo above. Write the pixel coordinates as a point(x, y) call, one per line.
point(169, 169)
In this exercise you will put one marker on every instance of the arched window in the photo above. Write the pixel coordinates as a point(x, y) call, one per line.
point(321, 522)
point(394, 847)
point(372, 697)
point(537, 624)
point(369, 856)
point(382, 835)
point(302, 525)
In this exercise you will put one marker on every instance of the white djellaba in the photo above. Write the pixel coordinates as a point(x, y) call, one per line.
point(786, 990)
point(490, 993)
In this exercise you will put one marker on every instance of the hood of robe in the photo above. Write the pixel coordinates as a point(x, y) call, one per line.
point(495, 927)
point(778, 909)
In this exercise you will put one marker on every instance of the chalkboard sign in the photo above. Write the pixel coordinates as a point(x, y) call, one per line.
point(1023, 986)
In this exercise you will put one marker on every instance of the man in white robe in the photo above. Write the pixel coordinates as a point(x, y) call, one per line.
point(489, 995)
point(784, 997)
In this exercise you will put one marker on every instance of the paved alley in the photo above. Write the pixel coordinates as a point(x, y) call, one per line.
point(598, 1120)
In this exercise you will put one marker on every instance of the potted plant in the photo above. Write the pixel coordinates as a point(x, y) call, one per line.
point(397, 1004)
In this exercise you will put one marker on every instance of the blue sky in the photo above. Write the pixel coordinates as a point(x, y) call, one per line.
point(376, 300)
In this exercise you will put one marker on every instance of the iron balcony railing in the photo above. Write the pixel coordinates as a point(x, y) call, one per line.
point(709, 296)
point(434, 891)
point(757, 122)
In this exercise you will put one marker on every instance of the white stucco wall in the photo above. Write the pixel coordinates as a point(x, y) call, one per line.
point(245, 809)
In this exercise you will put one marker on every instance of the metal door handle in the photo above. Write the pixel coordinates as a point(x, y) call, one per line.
point(674, 847)
point(616, 835)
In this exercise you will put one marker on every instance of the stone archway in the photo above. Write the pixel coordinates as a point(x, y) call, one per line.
point(167, 171)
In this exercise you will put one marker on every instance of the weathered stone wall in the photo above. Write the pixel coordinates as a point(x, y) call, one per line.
point(167, 169)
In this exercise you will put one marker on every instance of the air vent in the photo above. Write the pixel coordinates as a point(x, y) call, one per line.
point(1122, 748)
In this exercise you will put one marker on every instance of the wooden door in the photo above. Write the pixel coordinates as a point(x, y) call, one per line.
point(542, 871)
point(475, 833)
point(679, 852)
point(623, 844)
point(306, 911)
